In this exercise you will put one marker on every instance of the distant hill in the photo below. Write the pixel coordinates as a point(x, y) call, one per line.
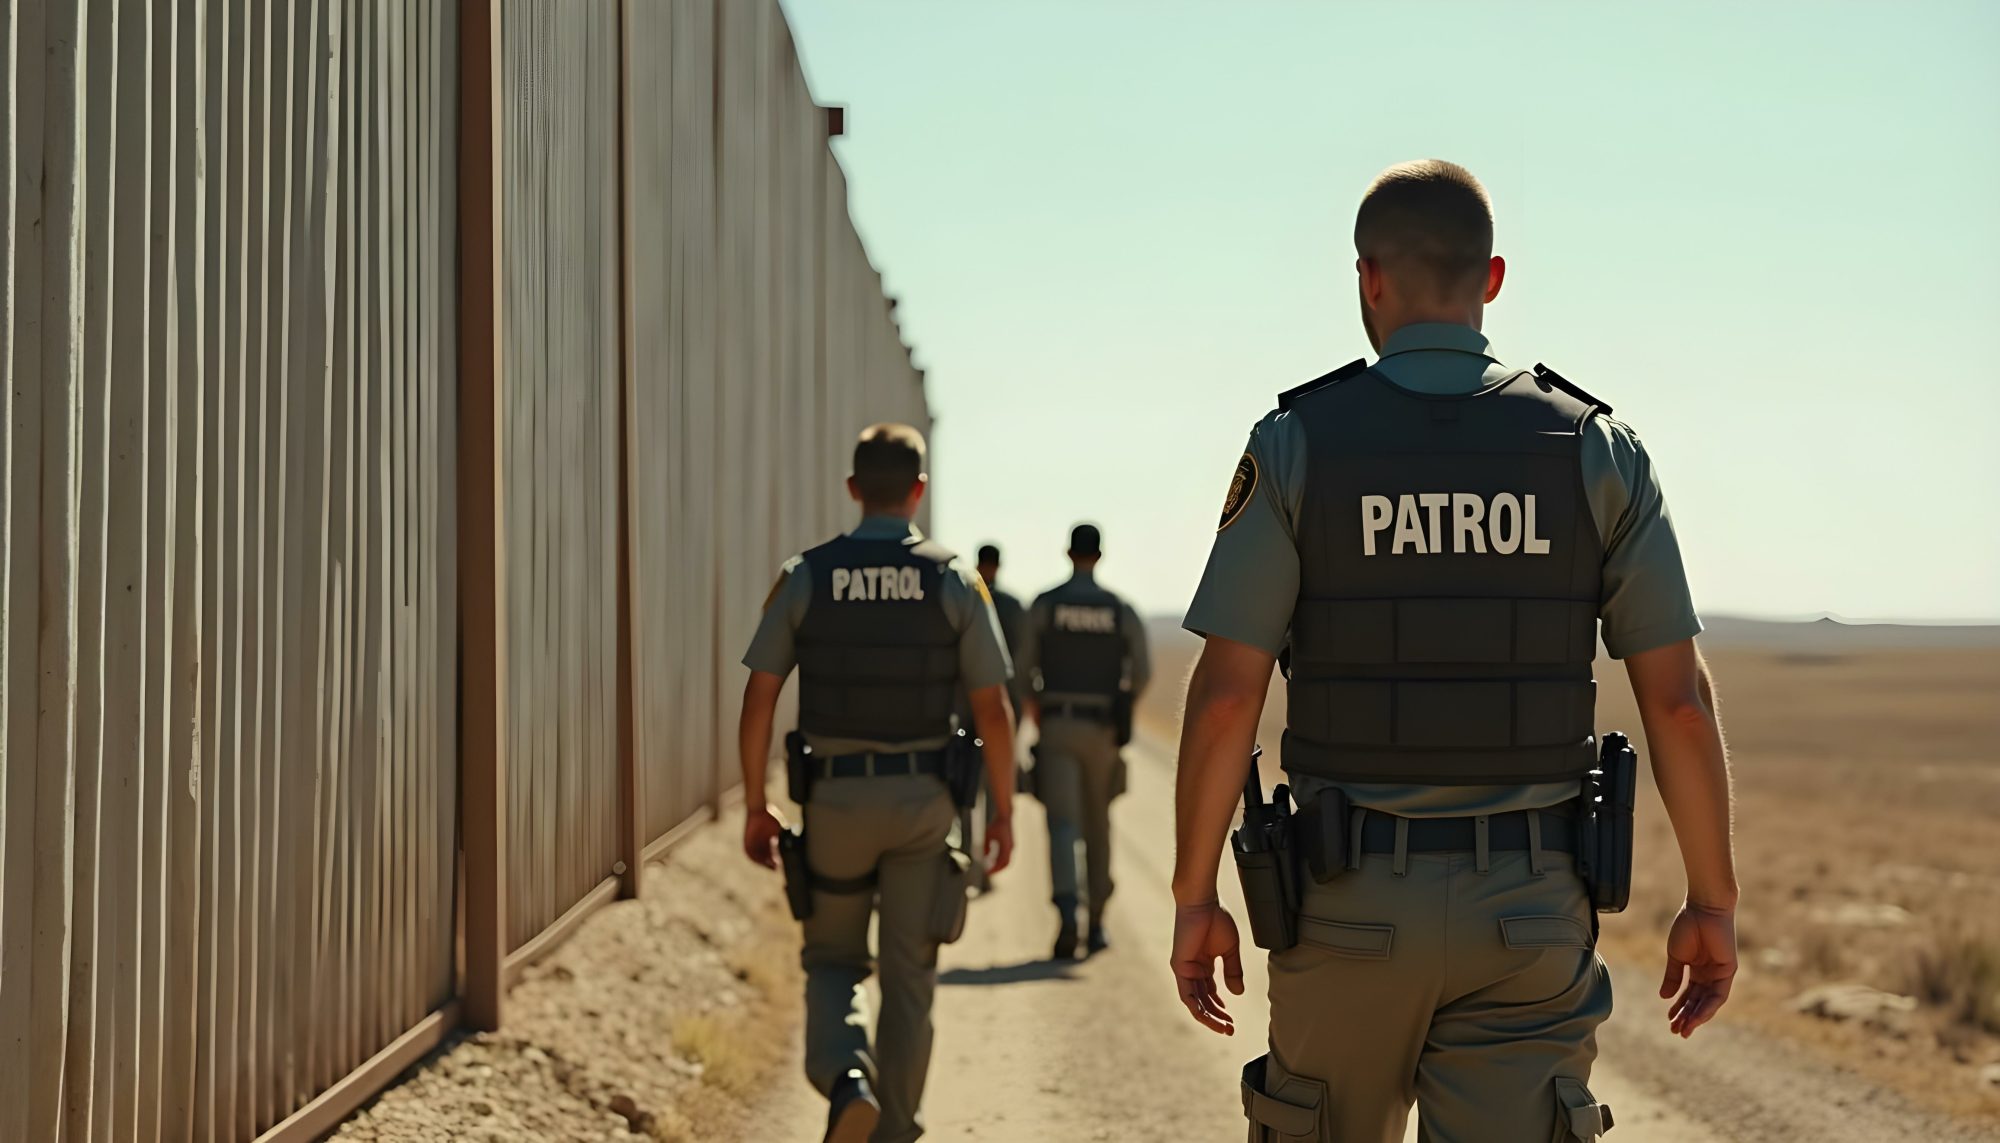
point(1825, 634)
point(1828, 633)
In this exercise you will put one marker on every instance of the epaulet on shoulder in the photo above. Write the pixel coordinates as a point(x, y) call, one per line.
point(1286, 398)
point(1544, 373)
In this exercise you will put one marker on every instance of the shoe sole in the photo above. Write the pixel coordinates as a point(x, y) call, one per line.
point(856, 1123)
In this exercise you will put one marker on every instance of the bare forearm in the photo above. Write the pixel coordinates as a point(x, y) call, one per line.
point(753, 735)
point(1217, 734)
point(1691, 768)
point(994, 717)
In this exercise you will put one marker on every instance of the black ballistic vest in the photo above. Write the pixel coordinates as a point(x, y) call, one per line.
point(878, 658)
point(1083, 647)
point(1439, 636)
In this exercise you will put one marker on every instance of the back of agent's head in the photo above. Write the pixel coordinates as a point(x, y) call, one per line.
point(989, 554)
point(1085, 542)
point(1429, 225)
point(888, 463)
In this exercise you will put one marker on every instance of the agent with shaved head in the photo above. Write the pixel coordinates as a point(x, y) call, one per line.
point(1429, 546)
point(886, 629)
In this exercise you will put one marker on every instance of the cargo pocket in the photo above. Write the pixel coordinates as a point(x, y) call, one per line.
point(1294, 1113)
point(954, 889)
point(1368, 942)
point(1579, 1117)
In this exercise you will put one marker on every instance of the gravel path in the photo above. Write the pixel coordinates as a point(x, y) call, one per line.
point(655, 1021)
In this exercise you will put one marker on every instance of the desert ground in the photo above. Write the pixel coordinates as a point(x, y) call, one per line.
point(1868, 1010)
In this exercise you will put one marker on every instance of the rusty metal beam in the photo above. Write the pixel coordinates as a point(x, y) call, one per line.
point(481, 519)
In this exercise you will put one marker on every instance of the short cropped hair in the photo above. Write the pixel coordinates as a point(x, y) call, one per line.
point(888, 462)
point(1428, 223)
point(989, 554)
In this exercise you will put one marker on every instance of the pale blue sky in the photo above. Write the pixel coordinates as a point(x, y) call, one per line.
point(1767, 233)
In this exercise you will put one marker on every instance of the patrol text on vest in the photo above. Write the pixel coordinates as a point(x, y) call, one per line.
point(1424, 523)
point(852, 585)
point(1096, 620)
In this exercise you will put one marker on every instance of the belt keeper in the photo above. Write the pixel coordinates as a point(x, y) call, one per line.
point(1535, 842)
point(1356, 821)
point(1482, 850)
point(1401, 860)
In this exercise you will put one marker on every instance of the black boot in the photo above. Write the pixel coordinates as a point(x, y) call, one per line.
point(1065, 929)
point(854, 1111)
point(1099, 939)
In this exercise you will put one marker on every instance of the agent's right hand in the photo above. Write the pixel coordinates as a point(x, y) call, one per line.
point(761, 827)
point(1201, 934)
point(1701, 949)
point(999, 843)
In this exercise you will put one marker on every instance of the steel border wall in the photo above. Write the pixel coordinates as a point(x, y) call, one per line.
point(321, 716)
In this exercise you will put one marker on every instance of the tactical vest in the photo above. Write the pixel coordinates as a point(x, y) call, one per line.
point(1448, 583)
point(878, 657)
point(1083, 645)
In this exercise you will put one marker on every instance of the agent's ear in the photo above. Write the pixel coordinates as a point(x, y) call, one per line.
point(853, 490)
point(1372, 281)
point(917, 490)
point(1496, 273)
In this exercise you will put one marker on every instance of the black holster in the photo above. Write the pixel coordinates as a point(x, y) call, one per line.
point(798, 875)
point(964, 761)
point(1121, 716)
point(1322, 833)
point(1605, 853)
point(801, 882)
point(798, 768)
point(1267, 863)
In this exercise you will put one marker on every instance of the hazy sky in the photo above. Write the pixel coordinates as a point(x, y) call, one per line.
point(1767, 233)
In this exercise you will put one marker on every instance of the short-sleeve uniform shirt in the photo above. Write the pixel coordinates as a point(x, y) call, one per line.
point(982, 653)
point(1251, 583)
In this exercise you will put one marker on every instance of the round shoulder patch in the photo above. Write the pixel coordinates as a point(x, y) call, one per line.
point(1242, 487)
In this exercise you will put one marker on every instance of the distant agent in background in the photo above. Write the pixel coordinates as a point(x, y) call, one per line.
point(971, 819)
point(1012, 615)
point(1083, 655)
point(885, 627)
point(1428, 545)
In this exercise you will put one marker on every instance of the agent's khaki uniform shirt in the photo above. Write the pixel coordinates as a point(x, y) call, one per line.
point(1251, 583)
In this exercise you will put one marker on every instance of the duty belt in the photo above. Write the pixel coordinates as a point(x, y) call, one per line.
point(1093, 711)
point(874, 764)
point(1504, 831)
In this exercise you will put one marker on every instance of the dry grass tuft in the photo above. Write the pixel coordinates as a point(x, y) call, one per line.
point(1958, 975)
point(727, 1050)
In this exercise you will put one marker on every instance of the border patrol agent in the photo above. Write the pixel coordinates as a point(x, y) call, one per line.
point(1083, 654)
point(1012, 616)
point(1429, 545)
point(884, 627)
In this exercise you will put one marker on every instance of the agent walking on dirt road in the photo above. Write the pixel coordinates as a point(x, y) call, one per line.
point(884, 627)
point(1429, 544)
point(1084, 661)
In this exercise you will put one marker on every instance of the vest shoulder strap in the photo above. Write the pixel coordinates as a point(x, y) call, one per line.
point(1544, 373)
point(929, 549)
point(1352, 368)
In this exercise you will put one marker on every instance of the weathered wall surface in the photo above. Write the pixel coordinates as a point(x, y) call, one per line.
point(228, 619)
point(228, 758)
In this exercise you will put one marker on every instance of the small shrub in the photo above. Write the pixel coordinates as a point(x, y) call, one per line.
point(1959, 976)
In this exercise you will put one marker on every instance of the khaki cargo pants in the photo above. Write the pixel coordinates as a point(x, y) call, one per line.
point(897, 827)
point(1074, 773)
point(1475, 995)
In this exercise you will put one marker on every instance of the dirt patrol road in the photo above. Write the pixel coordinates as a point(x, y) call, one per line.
point(1102, 1050)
